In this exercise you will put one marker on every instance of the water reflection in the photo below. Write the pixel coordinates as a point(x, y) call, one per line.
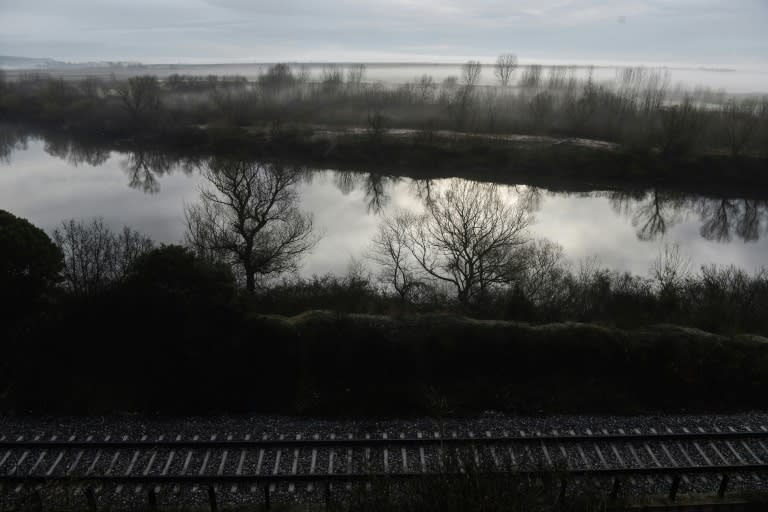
point(375, 187)
point(652, 213)
point(424, 189)
point(11, 139)
point(76, 153)
point(144, 168)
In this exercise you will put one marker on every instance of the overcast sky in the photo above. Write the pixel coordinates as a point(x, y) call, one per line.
point(720, 33)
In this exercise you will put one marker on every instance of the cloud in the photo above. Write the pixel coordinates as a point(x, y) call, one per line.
point(712, 32)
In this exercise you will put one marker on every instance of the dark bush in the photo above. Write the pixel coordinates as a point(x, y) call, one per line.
point(29, 263)
point(29, 269)
point(158, 340)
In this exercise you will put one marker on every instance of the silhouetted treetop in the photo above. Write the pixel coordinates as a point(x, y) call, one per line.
point(29, 261)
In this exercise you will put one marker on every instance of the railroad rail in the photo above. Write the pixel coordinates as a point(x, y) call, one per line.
point(699, 460)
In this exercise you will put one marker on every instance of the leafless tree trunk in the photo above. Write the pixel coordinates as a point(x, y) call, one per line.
point(390, 253)
point(247, 216)
point(470, 75)
point(468, 237)
point(506, 64)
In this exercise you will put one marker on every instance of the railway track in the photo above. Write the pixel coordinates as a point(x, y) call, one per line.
point(716, 460)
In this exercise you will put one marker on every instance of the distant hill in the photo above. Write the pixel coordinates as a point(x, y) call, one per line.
point(10, 62)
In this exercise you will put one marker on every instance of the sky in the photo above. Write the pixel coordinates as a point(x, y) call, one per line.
point(710, 33)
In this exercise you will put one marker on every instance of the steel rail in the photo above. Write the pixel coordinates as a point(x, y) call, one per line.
point(365, 476)
point(374, 441)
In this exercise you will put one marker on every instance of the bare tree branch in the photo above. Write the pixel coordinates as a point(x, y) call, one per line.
point(506, 64)
point(468, 237)
point(247, 216)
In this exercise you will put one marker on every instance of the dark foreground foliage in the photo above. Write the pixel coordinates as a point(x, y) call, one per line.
point(156, 347)
point(174, 334)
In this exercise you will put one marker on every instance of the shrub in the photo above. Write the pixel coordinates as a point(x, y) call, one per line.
point(29, 262)
point(95, 256)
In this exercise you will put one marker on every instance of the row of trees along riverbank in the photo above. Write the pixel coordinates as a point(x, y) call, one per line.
point(286, 111)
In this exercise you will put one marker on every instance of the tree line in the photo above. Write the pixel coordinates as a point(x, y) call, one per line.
point(638, 109)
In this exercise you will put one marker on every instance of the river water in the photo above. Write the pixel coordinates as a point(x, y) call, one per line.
point(47, 184)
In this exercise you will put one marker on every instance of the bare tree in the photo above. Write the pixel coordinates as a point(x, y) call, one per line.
point(506, 63)
point(355, 74)
point(425, 87)
point(670, 269)
point(140, 95)
point(389, 252)
point(468, 238)
point(544, 272)
point(470, 75)
point(247, 217)
point(95, 256)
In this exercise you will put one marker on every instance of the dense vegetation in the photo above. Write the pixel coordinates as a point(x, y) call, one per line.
point(163, 329)
point(661, 134)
